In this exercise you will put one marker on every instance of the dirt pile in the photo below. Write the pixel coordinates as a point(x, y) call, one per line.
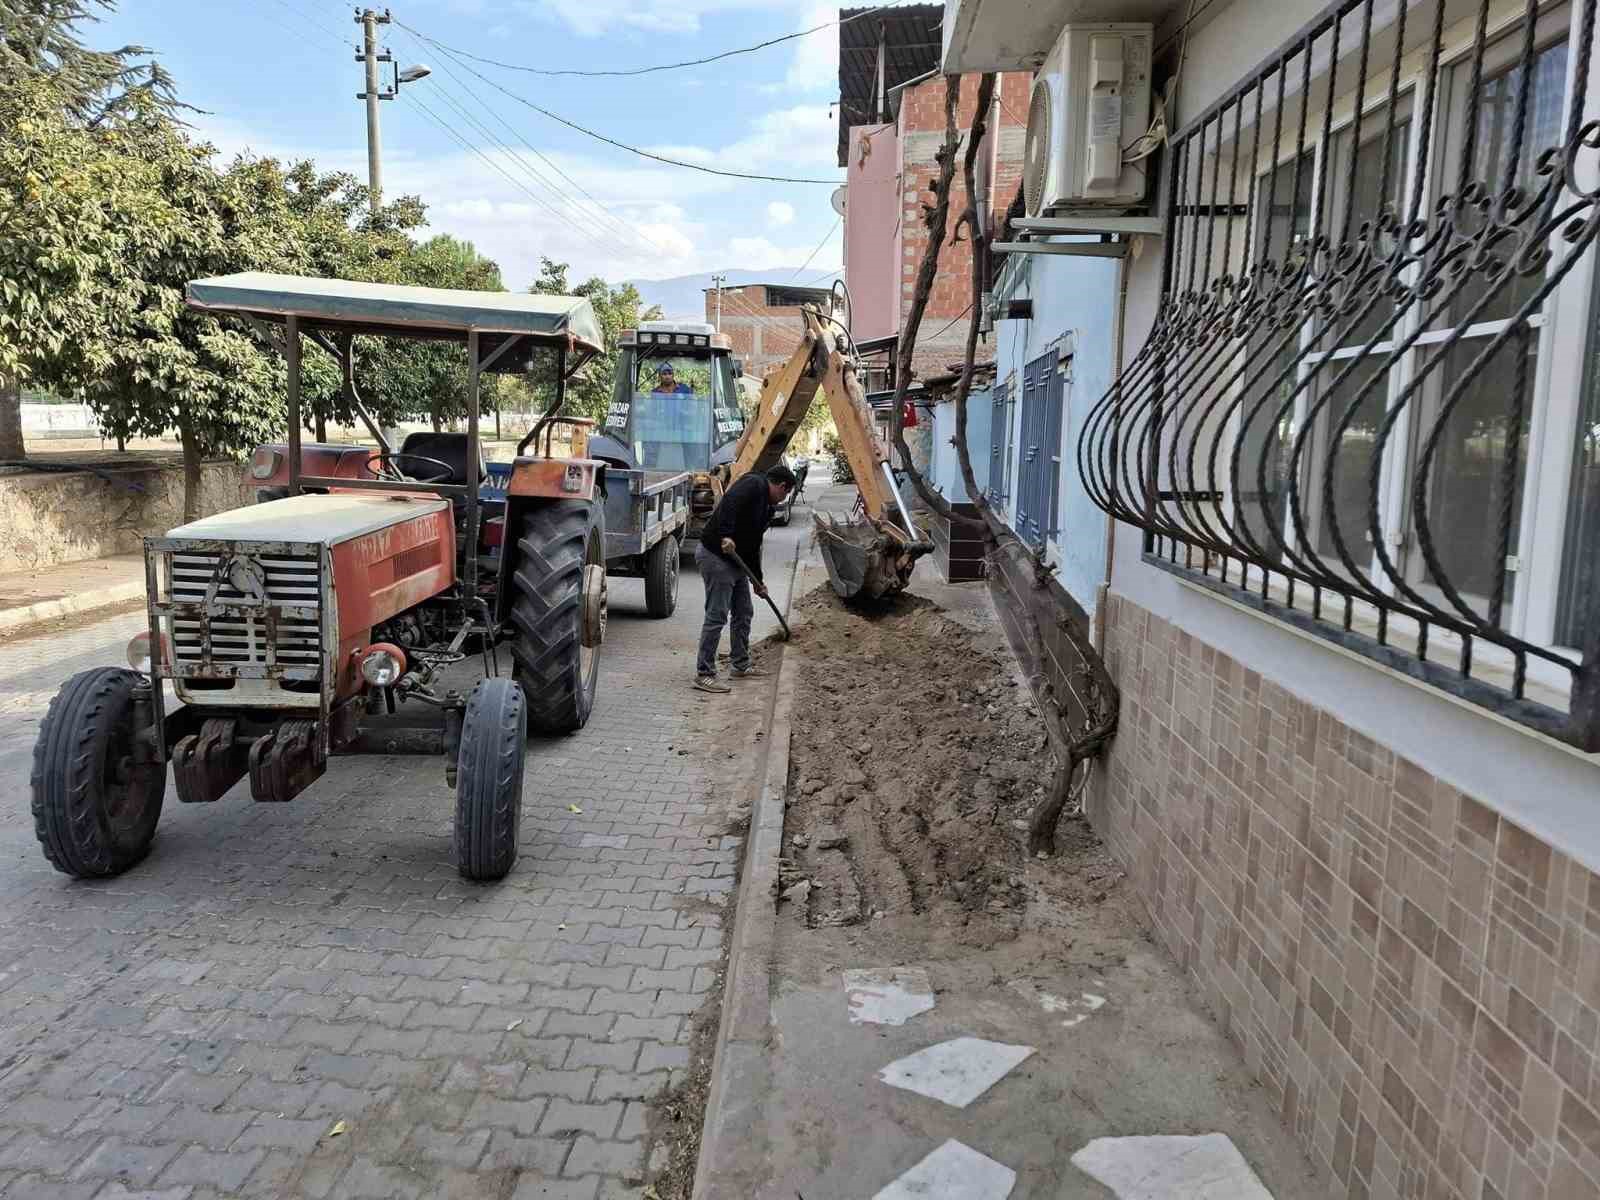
point(915, 760)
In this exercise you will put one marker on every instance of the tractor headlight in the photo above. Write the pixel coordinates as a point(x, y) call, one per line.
point(139, 651)
point(383, 664)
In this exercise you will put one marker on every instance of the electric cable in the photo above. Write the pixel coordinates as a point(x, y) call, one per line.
point(826, 238)
point(510, 178)
point(600, 211)
point(610, 141)
point(672, 66)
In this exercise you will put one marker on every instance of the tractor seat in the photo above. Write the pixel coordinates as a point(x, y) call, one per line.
point(447, 448)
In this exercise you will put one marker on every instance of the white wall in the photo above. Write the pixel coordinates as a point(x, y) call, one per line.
point(1074, 307)
point(59, 419)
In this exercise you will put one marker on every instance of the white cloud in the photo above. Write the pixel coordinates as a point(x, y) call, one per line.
point(758, 254)
point(800, 141)
point(763, 254)
point(658, 221)
point(674, 243)
point(815, 66)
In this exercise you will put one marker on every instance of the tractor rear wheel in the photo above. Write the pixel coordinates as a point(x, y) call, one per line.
point(558, 612)
point(95, 800)
point(494, 739)
point(661, 578)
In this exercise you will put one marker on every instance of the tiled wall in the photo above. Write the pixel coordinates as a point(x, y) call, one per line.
point(1415, 981)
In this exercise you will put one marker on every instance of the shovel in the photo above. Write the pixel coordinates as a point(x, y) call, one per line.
point(750, 575)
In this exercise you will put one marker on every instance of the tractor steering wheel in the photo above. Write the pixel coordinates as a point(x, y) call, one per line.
point(386, 462)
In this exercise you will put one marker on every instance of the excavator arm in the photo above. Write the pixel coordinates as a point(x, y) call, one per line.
point(869, 558)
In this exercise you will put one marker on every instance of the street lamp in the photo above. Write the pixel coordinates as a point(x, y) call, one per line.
point(369, 20)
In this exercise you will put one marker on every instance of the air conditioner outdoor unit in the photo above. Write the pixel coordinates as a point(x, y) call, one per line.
point(1090, 103)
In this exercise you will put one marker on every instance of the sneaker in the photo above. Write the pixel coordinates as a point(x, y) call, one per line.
point(750, 672)
point(710, 683)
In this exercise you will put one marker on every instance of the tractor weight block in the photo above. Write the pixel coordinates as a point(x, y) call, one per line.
point(593, 631)
point(285, 762)
point(207, 764)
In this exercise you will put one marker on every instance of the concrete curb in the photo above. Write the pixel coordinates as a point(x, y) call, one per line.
point(16, 621)
point(740, 1073)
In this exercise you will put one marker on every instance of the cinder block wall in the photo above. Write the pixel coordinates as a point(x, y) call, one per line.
point(1413, 979)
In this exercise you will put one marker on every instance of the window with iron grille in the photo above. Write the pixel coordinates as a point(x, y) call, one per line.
point(1039, 459)
point(1364, 407)
point(1001, 440)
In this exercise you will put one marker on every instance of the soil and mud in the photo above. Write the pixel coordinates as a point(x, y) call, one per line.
point(917, 758)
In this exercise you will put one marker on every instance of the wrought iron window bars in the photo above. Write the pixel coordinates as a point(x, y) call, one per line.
point(1309, 319)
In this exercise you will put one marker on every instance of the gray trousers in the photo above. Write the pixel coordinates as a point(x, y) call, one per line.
point(727, 593)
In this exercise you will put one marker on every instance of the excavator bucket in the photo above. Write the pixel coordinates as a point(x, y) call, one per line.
point(864, 564)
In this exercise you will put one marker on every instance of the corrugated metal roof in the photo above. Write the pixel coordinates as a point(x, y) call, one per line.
point(912, 42)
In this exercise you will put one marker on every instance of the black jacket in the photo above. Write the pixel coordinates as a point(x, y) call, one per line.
point(743, 514)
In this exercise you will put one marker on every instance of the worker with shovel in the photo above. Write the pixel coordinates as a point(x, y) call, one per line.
point(729, 559)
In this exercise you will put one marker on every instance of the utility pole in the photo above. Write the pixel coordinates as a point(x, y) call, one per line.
point(719, 280)
point(372, 56)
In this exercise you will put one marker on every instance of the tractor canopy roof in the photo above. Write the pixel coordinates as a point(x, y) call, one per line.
point(400, 311)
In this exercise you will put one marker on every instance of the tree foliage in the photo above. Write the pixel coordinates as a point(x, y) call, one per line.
point(618, 307)
point(108, 209)
point(40, 39)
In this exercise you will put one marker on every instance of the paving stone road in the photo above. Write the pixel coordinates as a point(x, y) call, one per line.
point(197, 1027)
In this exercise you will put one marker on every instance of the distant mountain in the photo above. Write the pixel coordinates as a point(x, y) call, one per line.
point(684, 295)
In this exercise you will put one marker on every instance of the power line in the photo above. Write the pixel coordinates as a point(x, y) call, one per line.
point(551, 206)
point(826, 238)
point(672, 66)
point(604, 216)
point(600, 137)
point(510, 178)
point(947, 328)
point(313, 20)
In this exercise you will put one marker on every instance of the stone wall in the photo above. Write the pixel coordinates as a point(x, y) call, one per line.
point(49, 517)
point(1414, 979)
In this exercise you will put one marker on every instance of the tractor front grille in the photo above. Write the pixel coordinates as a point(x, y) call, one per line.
point(219, 628)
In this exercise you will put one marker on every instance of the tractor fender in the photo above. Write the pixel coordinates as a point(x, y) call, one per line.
point(518, 504)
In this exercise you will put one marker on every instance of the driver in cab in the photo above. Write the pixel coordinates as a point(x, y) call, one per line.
point(673, 403)
point(667, 384)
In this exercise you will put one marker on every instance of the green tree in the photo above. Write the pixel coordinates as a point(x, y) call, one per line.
point(429, 379)
point(157, 364)
point(40, 45)
point(41, 38)
point(617, 308)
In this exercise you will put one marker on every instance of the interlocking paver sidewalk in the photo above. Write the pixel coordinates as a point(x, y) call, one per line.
point(199, 1026)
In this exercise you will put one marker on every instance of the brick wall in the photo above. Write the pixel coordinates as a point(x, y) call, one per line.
point(921, 133)
point(762, 337)
point(1415, 981)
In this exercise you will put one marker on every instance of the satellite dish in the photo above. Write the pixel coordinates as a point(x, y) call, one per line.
point(837, 200)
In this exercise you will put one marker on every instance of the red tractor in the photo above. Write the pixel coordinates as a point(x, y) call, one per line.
point(326, 621)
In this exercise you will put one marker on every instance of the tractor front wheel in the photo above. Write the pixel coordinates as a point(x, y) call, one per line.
point(494, 739)
point(661, 578)
point(96, 793)
point(558, 612)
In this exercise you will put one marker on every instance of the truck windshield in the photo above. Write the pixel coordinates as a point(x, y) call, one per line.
point(672, 403)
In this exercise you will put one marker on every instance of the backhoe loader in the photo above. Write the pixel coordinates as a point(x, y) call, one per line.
point(674, 407)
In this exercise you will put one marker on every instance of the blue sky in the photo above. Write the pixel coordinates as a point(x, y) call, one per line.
point(278, 77)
